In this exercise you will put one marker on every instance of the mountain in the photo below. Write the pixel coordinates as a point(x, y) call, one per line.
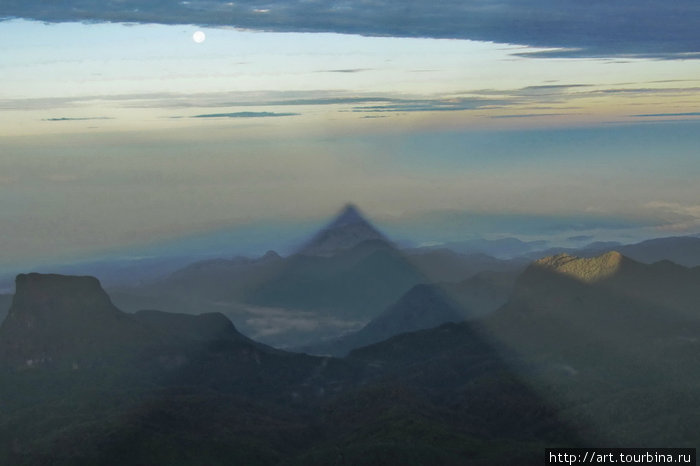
point(63, 321)
point(221, 278)
point(421, 307)
point(610, 343)
point(5, 302)
point(199, 393)
point(502, 248)
point(54, 318)
point(683, 250)
point(662, 284)
point(425, 306)
point(445, 265)
point(347, 274)
point(614, 332)
point(347, 230)
point(355, 283)
point(585, 351)
point(203, 327)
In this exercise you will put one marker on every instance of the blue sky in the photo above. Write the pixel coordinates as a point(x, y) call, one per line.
point(114, 136)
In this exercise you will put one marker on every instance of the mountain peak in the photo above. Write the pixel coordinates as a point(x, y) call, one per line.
point(349, 215)
point(584, 269)
point(348, 229)
point(53, 292)
point(53, 317)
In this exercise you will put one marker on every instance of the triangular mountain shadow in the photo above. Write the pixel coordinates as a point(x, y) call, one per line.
point(203, 394)
point(352, 271)
point(348, 270)
point(347, 274)
point(348, 229)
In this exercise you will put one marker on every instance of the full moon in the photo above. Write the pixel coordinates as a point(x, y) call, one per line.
point(199, 37)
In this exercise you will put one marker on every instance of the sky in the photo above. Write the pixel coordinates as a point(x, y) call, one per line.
point(120, 136)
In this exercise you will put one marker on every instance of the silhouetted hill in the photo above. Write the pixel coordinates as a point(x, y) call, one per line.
point(55, 318)
point(610, 342)
point(459, 367)
point(202, 394)
point(275, 298)
point(58, 321)
point(586, 351)
point(425, 306)
point(344, 277)
point(221, 278)
point(503, 248)
point(5, 302)
point(612, 331)
point(445, 265)
point(683, 250)
point(356, 283)
point(663, 284)
point(211, 326)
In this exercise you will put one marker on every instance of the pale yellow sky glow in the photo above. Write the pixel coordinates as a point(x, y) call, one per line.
point(75, 77)
point(113, 136)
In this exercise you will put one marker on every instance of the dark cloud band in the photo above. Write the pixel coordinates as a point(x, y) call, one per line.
point(650, 28)
point(244, 115)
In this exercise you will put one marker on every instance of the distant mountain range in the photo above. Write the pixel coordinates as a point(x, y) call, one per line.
point(683, 250)
point(612, 342)
point(503, 248)
point(423, 356)
point(663, 284)
point(63, 321)
point(162, 388)
point(346, 275)
point(584, 351)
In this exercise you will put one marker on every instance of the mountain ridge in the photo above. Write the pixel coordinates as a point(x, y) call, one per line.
point(585, 269)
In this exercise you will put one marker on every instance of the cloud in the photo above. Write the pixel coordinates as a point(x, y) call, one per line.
point(349, 70)
point(263, 322)
point(676, 216)
point(450, 225)
point(244, 99)
point(528, 115)
point(431, 105)
point(648, 90)
point(645, 115)
point(244, 115)
point(570, 28)
point(77, 119)
point(552, 99)
point(550, 89)
point(370, 103)
point(44, 103)
point(601, 52)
